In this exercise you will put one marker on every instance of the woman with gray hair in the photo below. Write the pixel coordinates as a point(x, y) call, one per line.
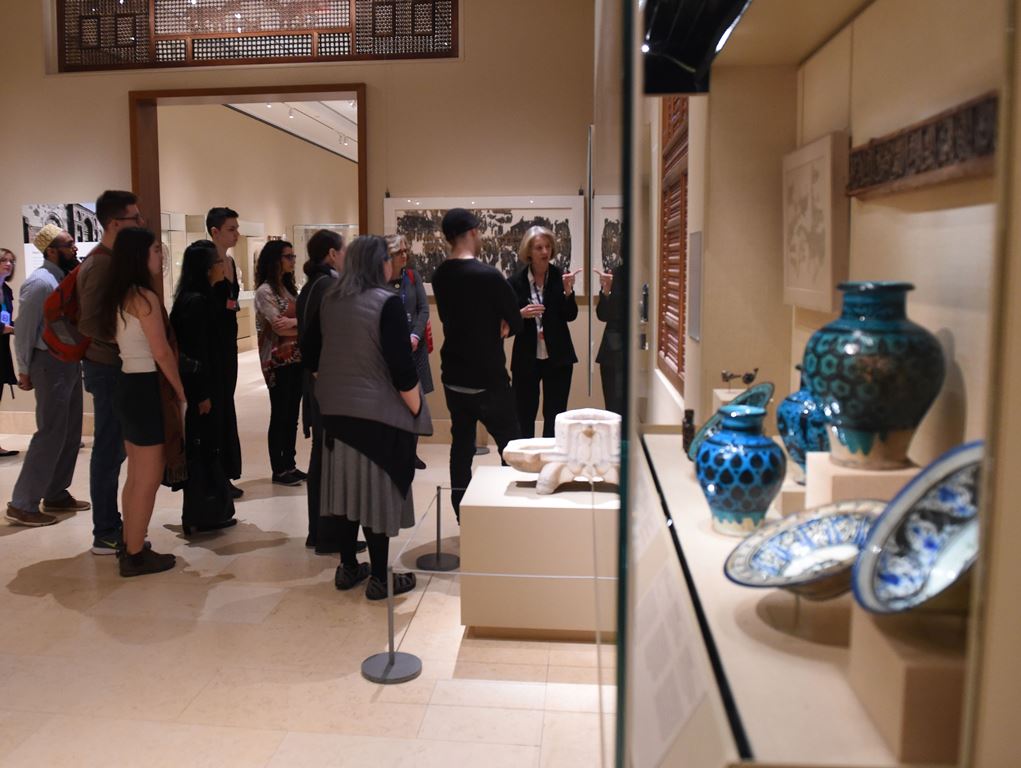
point(372, 413)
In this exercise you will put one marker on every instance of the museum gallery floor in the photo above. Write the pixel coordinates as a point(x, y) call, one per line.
point(245, 654)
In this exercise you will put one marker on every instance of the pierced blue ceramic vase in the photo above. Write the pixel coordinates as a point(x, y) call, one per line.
point(740, 470)
point(875, 373)
point(802, 425)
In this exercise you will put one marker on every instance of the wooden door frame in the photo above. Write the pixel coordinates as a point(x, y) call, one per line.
point(145, 163)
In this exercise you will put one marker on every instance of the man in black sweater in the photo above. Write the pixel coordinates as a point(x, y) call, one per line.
point(478, 310)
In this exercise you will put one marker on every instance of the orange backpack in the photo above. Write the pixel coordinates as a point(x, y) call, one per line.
point(61, 312)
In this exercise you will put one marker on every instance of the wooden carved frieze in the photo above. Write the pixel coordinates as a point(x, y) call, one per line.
point(955, 144)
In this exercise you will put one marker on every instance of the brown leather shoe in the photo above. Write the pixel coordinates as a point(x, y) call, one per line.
point(67, 504)
point(33, 519)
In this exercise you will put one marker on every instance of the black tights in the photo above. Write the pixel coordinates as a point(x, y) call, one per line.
point(379, 547)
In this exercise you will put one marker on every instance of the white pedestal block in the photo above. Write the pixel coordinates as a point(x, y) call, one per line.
point(791, 498)
point(908, 672)
point(517, 547)
point(723, 396)
point(827, 482)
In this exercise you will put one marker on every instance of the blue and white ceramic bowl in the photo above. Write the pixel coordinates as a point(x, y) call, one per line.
point(757, 396)
point(809, 553)
point(927, 538)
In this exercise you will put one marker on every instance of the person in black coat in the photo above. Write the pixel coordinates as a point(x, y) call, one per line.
point(325, 256)
point(543, 351)
point(612, 310)
point(8, 377)
point(205, 373)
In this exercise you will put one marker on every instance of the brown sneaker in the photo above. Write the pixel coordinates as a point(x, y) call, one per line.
point(67, 504)
point(33, 519)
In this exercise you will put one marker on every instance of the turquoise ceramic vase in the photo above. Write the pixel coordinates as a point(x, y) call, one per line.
point(875, 373)
point(740, 470)
point(802, 424)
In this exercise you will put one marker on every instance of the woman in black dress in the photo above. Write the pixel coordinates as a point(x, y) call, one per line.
point(8, 377)
point(226, 293)
point(612, 310)
point(208, 502)
point(543, 350)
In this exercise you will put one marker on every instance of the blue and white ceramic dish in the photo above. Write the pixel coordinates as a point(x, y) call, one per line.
point(809, 553)
point(926, 539)
point(757, 396)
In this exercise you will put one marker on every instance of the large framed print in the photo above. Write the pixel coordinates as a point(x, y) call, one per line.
point(607, 215)
point(77, 219)
point(504, 221)
point(815, 223)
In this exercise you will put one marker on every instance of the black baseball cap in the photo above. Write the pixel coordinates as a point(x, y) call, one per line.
point(456, 222)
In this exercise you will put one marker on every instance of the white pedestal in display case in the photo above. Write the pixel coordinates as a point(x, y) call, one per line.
point(528, 562)
point(827, 482)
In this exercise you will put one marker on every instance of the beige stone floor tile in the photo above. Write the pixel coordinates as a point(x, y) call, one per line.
point(313, 750)
point(578, 697)
point(572, 739)
point(489, 725)
point(208, 600)
point(489, 693)
point(16, 727)
point(520, 673)
point(582, 654)
point(584, 675)
point(419, 690)
point(82, 742)
point(504, 651)
point(110, 687)
point(301, 700)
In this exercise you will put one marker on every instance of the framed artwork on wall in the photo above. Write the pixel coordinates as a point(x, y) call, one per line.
point(504, 222)
point(607, 213)
point(816, 214)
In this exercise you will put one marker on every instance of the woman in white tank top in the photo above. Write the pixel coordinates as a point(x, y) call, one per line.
point(132, 314)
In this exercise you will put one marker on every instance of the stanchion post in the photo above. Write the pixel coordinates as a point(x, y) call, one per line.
point(391, 667)
point(438, 560)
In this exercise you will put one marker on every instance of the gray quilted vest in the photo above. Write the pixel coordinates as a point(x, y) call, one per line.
point(353, 376)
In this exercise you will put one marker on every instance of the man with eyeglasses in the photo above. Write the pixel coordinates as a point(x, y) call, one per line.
point(116, 210)
point(53, 451)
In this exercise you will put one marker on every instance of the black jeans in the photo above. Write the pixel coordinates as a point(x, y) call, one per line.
point(107, 449)
point(284, 402)
point(496, 410)
point(612, 377)
point(556, 387)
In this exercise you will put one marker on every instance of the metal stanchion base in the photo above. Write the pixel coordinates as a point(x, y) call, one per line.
point(438, 561)
point(481, 450)
point(385, 669)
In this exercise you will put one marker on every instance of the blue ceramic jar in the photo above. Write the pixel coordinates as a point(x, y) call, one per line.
point(875, 373)
point(740, 470)
point(802, 425)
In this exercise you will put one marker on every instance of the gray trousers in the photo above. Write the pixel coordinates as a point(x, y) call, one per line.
point(53, 452)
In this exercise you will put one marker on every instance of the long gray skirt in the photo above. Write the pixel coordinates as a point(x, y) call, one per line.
point(360, 490)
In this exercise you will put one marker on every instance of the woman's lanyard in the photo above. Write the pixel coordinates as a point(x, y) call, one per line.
point(537, 298)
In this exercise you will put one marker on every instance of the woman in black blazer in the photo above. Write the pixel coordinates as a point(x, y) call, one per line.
point(543, 350)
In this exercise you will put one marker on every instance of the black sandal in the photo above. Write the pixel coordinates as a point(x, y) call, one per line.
point(376, 588)
point(348, 578)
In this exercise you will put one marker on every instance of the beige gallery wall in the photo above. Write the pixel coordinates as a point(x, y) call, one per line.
point(899, 62)
point(510, 116)
point(211, 155)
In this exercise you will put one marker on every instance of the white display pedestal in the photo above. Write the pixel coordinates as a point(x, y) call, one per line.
point(827, 482)
point(723, 396)
point(791, 498)
point(908, 671)
point(515, 544)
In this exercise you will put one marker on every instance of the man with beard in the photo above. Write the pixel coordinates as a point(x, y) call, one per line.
point(53, 452)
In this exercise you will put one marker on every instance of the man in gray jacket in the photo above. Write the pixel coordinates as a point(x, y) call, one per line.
point(53, 452)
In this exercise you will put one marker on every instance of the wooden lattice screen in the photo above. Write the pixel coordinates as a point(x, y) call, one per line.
point(673, 248)
point(118, 34)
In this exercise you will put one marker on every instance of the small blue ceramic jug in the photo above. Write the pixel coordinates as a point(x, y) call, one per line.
point(802, 425)
point(740, 470)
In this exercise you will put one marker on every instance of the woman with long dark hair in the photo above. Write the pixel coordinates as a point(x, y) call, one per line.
point(277, 325)
point(132, 313)
point(372, 412)
point(8, 377)
point(208, 503)
point(325, 257)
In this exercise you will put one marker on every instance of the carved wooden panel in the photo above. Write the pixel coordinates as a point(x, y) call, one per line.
point(673, 245)
point(115, 34)
point(958, 143)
